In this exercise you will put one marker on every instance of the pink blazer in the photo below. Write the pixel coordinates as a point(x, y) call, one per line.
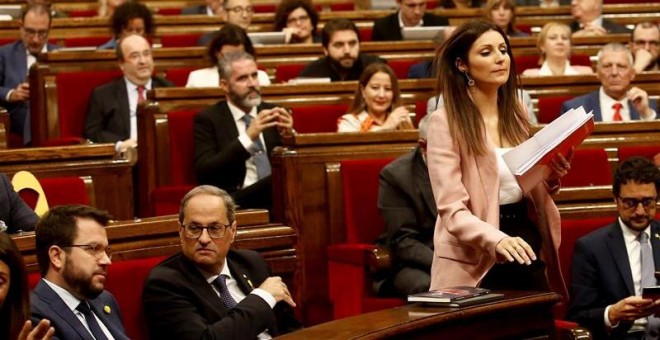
point(466, 191)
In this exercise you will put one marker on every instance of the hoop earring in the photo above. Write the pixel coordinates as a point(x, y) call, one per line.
point(470, 81)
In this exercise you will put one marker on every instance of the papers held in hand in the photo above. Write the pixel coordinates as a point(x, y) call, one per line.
point(529, 160)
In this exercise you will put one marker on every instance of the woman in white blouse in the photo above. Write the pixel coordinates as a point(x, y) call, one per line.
point(554, 43)
point(231, 38)
point(376, 104)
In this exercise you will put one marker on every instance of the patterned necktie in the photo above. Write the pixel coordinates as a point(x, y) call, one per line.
point(260, 157)
point(648, 280)
point(93, 325)
point(221, 286)
point(141, 98)
point(617, 112)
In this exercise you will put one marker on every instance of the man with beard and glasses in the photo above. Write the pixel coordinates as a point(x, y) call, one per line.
point(342, 61)
point(73, 255)
point(613, 264)
point(234, 137)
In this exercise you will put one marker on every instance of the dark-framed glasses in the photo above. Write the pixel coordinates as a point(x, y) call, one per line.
point(42, 34)
point(95, 249)
point(240, 10)
point(216, 230)
point(293, 20)
point(632, 203)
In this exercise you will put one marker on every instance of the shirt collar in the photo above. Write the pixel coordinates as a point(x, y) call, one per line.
point(211, 277)
point(238, 113)
point(71, 301)
point(43, 49)
point(630, 235)
point(132, 87)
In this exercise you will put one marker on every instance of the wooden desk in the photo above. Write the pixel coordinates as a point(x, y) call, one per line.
point(112, 176)
point(520, 315)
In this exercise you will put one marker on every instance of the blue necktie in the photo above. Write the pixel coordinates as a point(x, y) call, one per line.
point(93, 325)
point(260, 157)
point(648, 280)
point(221, 285)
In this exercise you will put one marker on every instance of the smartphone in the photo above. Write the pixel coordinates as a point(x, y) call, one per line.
point(651, 293)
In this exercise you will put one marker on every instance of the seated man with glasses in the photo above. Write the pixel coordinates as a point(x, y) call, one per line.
point(237, 12)
point(613, 264)
point(73, 255)
point(644, 41)
point(15, 61)
point(209, 290)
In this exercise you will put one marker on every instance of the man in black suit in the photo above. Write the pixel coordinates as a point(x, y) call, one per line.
point(342, 61)
point(73, 256)
point(405, 200)
point(209, 290)
point(234, 137)
point(611, 265)
point(111, 114)
point(589, 21)
point(411, 13)
point(212, 8)
point(15, 215)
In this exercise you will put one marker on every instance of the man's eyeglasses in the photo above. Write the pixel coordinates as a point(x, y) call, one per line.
point(302, 18)
point(95, 249)
point(632, 203)
point(215, 230)
point(642, 43)
point(240, 10)
point(41, 34)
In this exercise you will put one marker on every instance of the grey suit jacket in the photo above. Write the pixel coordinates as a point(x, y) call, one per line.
point(46, 304)
point(108, 114)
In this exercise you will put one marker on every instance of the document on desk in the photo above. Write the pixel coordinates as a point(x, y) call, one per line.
point(529, 160)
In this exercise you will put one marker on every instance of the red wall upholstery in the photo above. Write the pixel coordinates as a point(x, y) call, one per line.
point(589, 167)
point(179, 76)
point(317, 118)
point(180, 40)
point(550, 107)
point(648, 151)
point(86, 41)
point(401, 67)
point(285, 72)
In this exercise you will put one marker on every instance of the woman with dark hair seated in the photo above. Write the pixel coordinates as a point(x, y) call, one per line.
point(14, 299)
point(376, 104)
point(298, 19)
point(128, 18)
point(503, 14)
point(231, 38)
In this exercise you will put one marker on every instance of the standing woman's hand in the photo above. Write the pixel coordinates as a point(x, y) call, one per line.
point(560, 165)
point(42, 331)
point(511, 249)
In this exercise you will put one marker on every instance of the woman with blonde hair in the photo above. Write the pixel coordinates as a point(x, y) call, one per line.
point(554, 44)
point(376, 104)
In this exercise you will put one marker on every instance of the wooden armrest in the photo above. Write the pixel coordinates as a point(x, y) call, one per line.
point(567, 331)
point(379, 260)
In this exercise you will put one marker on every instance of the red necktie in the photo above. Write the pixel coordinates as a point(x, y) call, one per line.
point(617, 112)
point(140, 90)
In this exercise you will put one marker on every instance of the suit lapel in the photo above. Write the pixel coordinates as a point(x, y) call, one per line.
point(423, 182)
point(655, 244)
point(203, 288)
point(121, 93)
point(20, 57)
point(634, 114)
point(620, 255)
point(594, 101)
point(241, 276)
point(59, 308)
point(104, 313)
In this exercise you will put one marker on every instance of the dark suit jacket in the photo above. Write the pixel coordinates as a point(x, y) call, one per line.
point(591, 101)
point(192, 10)
point(220, 157)
point(388, 29)
point(421, 70)
point(46, 304)
point(13, 211)
point(610, 26)
point(324, 68)
point(180, 304)
point(13, 71)
point(108, 115)
point(601, 276)
point(405, 200)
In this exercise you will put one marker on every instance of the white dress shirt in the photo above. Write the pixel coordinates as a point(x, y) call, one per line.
point(209, 77)
point(251, 176)
point(237, 294)
point(132, 91)
point(607, 110)
point(510, 191)
point(72, 302)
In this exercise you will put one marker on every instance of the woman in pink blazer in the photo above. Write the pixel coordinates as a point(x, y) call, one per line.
point(489, 233)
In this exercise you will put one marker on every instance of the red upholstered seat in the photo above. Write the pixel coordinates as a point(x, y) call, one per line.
point(59, 191)
point(82, 13)
point(180, 40)
point(264, 8)
point(179, 76)
point(550, 107)
point(74, 90)
point(342, 6)
point(420, 110)
point(86, 41)
point(524, 62)
point(648, 151)
point(317, 118)
point(169, 11)
point(365, 33)
point(589, 167)
point(581, 60)
point(285, 72)
point(350, 289)
point(401, 66)
point(166, 198)
point(525, 28)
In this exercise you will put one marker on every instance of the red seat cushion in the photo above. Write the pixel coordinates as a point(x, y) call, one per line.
point(420, 110)
point(342, 6)
point(58, 191)
point(86, 41)
point(180, 40)
point(169, 11)
point(179, 76)
point(524, 62)
point(550, 107)
point(264, 8)
point(285, 72)
point(401, 67)
point(365, 33)
point(648, 151)
point(317, 118)
point(581, 60)
point(74, 90)
point(589, 167)
point(168, 199)
point(83, 13)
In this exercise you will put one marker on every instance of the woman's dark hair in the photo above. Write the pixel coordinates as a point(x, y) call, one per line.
point(229, 34)
point(465, 121)
point(358, 100)
point(640, 170)
point(128, 11)
point(493, 4)
point(287, 6)
point(16, 308)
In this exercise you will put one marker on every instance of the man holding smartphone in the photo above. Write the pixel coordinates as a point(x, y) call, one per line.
point(234, 137)
point(613, 265)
